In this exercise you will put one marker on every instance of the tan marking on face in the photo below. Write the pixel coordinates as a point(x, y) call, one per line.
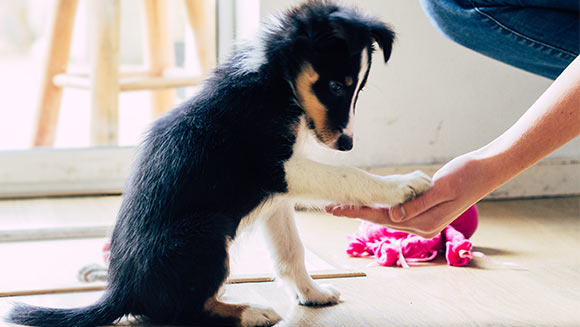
point(315, 111)
point(348, 81)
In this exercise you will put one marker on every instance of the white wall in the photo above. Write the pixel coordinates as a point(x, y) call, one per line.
point(434, 99)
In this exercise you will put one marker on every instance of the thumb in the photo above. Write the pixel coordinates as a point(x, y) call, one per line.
point(415, 207)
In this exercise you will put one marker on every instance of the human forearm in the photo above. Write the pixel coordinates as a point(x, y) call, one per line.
point(552, 121)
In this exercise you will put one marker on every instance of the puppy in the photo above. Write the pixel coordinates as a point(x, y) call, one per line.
point(233, 154)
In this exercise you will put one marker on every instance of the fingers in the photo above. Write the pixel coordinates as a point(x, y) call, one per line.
point(423, 225)
point(427, 224)
point(417, 206)
point(431, 222)
point(375, 215)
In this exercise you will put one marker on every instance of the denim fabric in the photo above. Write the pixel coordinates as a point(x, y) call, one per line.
point(540, 36)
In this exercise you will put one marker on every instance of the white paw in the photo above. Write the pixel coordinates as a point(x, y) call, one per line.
point(319, 295)
point(256, 315)
point(414, 184)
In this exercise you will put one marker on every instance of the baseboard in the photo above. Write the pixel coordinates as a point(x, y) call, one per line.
point(62, 172)
point(548, 178)
point(105, 170)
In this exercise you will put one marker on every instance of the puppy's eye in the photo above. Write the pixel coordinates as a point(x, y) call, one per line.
point(336, 88)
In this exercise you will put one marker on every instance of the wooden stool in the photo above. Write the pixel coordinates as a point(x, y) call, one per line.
point(104, 79)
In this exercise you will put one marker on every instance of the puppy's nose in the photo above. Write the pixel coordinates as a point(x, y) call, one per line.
point(344, 143)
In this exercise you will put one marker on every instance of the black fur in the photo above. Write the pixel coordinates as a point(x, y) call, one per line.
point(205, 165)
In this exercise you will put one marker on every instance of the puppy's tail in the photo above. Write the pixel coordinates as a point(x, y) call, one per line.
point(104, 312)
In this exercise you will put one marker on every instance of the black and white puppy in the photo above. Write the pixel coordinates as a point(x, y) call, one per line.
point(232, 156)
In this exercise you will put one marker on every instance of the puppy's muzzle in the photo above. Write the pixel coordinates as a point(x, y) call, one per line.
point(344, 143)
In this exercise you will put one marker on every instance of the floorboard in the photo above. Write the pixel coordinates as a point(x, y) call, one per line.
point(543, 235)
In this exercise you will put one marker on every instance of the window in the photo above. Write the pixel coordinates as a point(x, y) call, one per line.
point(73, 163)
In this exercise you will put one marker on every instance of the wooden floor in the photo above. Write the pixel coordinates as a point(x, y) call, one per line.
point(542, 235)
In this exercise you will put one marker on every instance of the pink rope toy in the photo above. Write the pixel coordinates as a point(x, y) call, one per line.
point(391, 247)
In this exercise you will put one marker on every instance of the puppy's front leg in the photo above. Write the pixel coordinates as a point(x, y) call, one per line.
point(288, 256)
point(313, 180)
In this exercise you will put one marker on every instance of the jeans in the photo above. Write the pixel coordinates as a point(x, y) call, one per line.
point(539, 36)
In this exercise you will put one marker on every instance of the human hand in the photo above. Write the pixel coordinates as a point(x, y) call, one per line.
point(456, 186)
point(552, 121)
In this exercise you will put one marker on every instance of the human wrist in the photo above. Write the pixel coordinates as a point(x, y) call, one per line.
point(496, 163)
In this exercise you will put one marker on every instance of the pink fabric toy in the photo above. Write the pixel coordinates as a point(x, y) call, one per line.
point(457, 247)
point(391, 247)
point(466, 223)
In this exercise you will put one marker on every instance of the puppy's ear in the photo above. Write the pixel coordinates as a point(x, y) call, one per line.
point(380, 32)
point(384, 35)
point(319, 40)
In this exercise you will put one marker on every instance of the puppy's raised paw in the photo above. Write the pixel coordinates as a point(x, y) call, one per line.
point(414, 184)
point(316, 295)
point(256, 315)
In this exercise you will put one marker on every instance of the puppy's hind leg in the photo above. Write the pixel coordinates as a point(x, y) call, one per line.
point(288, 255)
point(245, 315)
point(184, 287)
point(241, 314)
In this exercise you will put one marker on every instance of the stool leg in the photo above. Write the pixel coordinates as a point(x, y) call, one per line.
point(106, 29)
point(61, 28)
point(201, 16)
point(160, 52)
